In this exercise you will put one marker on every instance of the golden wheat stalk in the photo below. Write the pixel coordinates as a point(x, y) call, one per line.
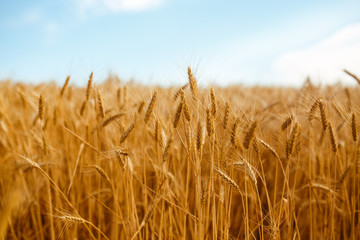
point(249, 134)
point(210, 123)
point(286, 123)
point(200, 136)
point(268, 147)
point(293, 137)
point(167, 149)
point(112, 118)
point(45, 145)
point(102, 173)
point(357, 79)
point(332, 139)
point(348, 96)
point(343, 176)
point(177, 94)
point(312, 110)
point(100, 104)
point(226, 115)
point(141, 106)
point(228, 179)
point(234, 130)
point(157, 131)
point(127, 132)
point(65, 86)
point(89, 86)
point(185, 106)
point(193, 84)
point(178, 114)
point(82, 109)
point(353, 127)
point(150, 107)
point(323, 114)
point(213, 102)
point(41, 107)
point(72, 219)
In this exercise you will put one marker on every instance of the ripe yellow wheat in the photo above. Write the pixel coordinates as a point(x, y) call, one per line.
point(219, 163)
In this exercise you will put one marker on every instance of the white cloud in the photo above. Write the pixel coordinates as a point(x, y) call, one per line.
point(323, 61)
point(100, 6)
point(132, 5)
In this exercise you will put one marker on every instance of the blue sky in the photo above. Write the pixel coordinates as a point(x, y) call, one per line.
point(153, 41)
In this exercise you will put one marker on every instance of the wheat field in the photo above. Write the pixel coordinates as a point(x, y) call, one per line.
point(124, 161)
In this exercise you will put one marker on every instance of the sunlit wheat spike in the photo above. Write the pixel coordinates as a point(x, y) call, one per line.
point(176, 95)
point(82, 109)
point(332, 139)
point(141, 106)
point(167, 149)
point(65, 85)
point(45, 146)
point(185, 106)
point(249, 134)
point(267, 146)
point(193, 84)
point(256, 145)
point(148, 214)
point(89, 86)
point(102, 173)
point(127, 132)
point(100, 104)
point(118, 96)
point(112, 118)
point(178, 114)
point(357, 79)
point(286, 123)
point(251, 172)
point(227, 179)
point(323, 114)
point(125, 95)
point(226, 115)
point(119, 157)
point(162, 138)
point(199, 136)
point(312, 109)
point(203, 193)
point(343, 176)
point(234, 131)
point(31, 162)
point(71, 218)
point(41, 107)
point(291, 142)
point(157, 130)
point(213, 102)
point(353, 127)
point(246, 166)
point(210, 123)
point(150, 107)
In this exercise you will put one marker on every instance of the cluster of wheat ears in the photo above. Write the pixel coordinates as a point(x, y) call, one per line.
point(125, 161)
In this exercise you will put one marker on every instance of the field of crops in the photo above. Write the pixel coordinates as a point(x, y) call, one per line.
point(124, 161)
